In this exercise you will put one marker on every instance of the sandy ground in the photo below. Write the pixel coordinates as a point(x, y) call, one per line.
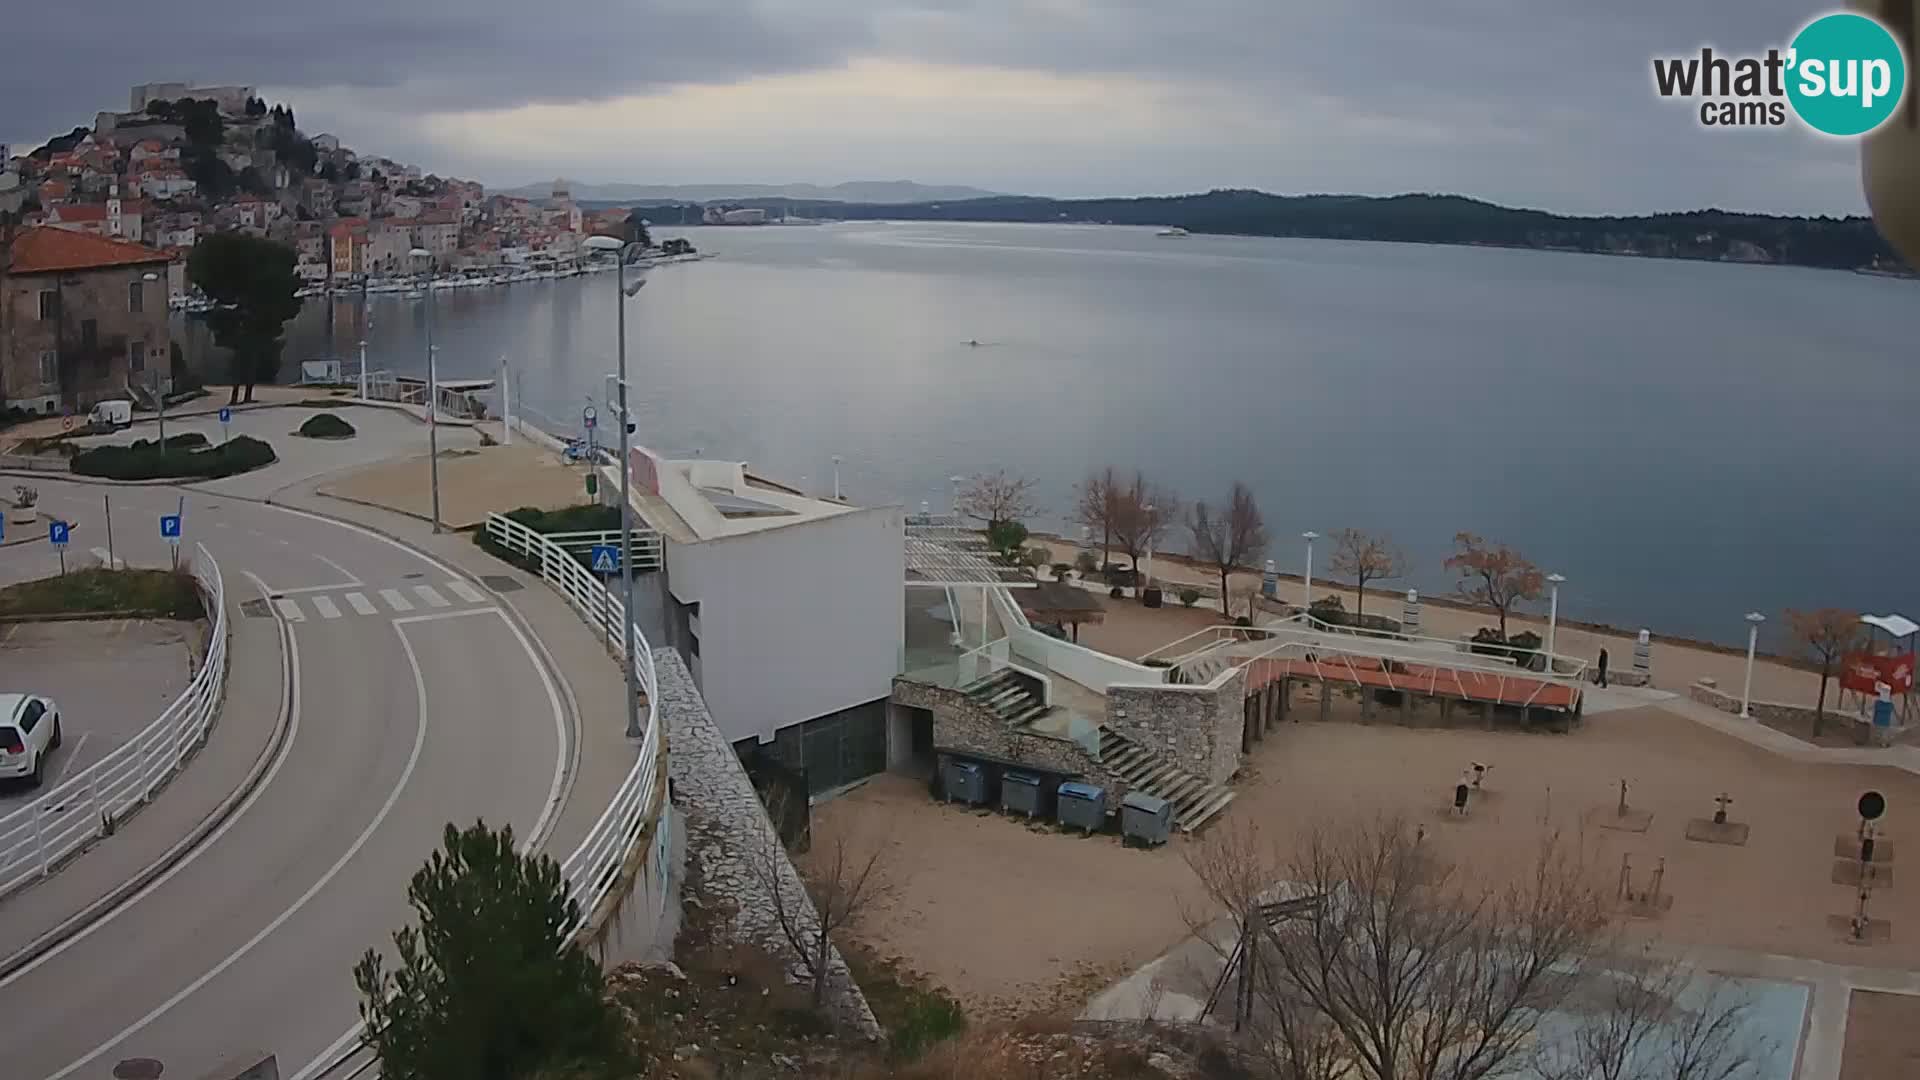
point(472, 484)
point(1883, 1036)
point(1674, 666)
point(1011, 918)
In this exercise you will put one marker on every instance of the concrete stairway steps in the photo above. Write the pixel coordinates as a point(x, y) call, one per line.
point(1195, 800)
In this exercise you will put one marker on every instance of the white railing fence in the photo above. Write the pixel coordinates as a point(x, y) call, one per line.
point(594, 866)
point(92, 802)
point(646, 545)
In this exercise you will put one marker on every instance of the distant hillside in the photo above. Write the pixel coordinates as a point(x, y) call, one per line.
point(1834, 243)
point(888, 192)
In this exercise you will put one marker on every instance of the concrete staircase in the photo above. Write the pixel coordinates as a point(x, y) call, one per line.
point(1201, 669)
point(1009, 697)
point(1194, 800)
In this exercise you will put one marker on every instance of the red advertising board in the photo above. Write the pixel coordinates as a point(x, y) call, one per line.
point(1861, 671)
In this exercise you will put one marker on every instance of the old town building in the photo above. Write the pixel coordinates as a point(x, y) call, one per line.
point(80, 317)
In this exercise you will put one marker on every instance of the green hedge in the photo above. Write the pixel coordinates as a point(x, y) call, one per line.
point(168, 593)
point(144, 460)
point(591, 517)
point(326, 426)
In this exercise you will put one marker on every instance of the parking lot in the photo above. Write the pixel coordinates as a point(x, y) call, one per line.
point(109, 678)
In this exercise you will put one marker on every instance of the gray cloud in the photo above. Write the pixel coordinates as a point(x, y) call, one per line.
point(1540, 103)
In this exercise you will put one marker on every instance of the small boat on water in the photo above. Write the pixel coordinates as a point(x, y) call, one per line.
point(1172, 230)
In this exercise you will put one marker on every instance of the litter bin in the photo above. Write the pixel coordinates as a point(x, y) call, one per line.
point(1021, 791)
point(966, 782)
point(1082, 806)
point(1145, 818)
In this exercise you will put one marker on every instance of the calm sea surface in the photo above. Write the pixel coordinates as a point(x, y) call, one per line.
point(1685, 441)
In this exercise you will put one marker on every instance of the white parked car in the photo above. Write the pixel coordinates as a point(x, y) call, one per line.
point(29, 732)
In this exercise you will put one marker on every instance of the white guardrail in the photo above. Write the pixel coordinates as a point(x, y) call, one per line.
point(594, 866)
point(89, 804)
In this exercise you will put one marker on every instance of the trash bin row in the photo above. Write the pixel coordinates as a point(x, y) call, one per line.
point(1143, 817)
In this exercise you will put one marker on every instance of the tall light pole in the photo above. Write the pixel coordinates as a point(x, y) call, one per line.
point(1146, 515)
point(621, 294)
point(159, 379)
point(366, 327)
point(425, 260)
point(1754, 619)
point(836, 478)
point(1553, 616)
point(954, 500)
point(1306, 588)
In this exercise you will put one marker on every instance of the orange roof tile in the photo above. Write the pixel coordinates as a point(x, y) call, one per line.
point(46, 250)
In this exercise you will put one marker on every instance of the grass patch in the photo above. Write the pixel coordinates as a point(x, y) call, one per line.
point(147, 460)
point(167, 593)
point(326, 426)
point(916, 1014)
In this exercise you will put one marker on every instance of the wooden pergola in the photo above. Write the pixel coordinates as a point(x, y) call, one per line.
point(1062, 605)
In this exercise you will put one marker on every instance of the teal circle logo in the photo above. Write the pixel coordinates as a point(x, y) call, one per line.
point(1846, 74)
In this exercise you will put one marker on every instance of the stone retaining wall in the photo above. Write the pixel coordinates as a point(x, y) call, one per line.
point(964, 724)
point(727, 827)
point(1707, 693)
point(1197, 728)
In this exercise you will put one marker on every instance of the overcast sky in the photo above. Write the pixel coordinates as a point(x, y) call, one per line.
point(1545, 103)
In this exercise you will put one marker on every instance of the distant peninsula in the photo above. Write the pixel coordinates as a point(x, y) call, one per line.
point(1836, 243)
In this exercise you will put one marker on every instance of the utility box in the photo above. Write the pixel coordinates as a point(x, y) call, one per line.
point(1082, 806)
point(966, 782)
point(1022, 792)
point(1145, 818)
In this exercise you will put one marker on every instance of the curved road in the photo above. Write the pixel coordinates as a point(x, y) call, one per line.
point(414, 701)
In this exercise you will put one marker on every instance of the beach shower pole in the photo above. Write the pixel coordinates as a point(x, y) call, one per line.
point(1553, 616)
point(1754, 619)
point(1306, 587)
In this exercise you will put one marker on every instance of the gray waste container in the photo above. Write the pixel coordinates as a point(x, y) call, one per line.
point(966, 782)
point(1082, 806)
point(1021, 791)
point(1145, 818)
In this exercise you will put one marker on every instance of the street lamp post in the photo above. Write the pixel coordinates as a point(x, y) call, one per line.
point(1754, 619)
point(425, 260)
point(1146, 512)
point(1553, 616)
point(954, 503)
point(622, 292)
point(159, 381)
point(836, 478)
point(1306, 587)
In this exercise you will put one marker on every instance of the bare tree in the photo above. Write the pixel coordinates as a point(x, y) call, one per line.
point(1096, 505)
point(1228, 539)
point(807, 909)
point(1647, 1017)
point(1829, 634)
point(1365, 557)
point(1494, 576)
point(1405, 968)
point(997, 498)
point(1142, 512)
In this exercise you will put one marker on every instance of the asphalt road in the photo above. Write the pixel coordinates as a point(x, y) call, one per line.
point(415, 702)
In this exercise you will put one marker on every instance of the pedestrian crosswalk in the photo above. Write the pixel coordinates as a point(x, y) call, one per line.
point(326, 607)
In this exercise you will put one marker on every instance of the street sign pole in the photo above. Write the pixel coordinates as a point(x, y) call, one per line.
point(57, 533)
point(226, 415)
point(107, 501)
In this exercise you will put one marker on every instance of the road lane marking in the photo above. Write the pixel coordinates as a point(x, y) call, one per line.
point(395, 600)
point(393, 797)
point(361, 604)
point(290, 703)
point(344, 572)
point(324, 604)
point(67, 759)
point(432, 597)
point(304, 589)
point(465, 591)
point(532, 841)
point(289, 610)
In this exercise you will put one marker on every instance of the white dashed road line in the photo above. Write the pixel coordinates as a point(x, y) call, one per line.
point(432, 597)
point(325, 606)
point(289, 610)
point(465, 591)
point(361, 604)
point(396, 601)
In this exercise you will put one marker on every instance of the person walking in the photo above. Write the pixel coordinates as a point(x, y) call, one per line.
point(1603, 668)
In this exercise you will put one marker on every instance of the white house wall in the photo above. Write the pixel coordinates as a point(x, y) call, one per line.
point(796, 622)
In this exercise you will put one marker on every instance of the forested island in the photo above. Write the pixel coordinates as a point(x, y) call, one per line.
point(1839, 243)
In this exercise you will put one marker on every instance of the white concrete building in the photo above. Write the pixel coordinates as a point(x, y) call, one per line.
point(789, 609)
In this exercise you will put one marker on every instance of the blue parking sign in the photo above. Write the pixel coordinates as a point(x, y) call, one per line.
point(226, 414)
point(57, 533)
point(170, 527)
point(606, 559)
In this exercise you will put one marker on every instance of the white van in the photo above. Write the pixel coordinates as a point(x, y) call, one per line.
point(110, 416)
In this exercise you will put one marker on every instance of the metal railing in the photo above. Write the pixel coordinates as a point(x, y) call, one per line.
point(91, 803)
point(646, 544)
point(594, 867)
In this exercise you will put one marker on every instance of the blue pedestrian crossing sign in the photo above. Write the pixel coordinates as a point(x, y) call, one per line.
point(170, 527)
point(226, 414)
point(606, 559)
point(57, 533)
